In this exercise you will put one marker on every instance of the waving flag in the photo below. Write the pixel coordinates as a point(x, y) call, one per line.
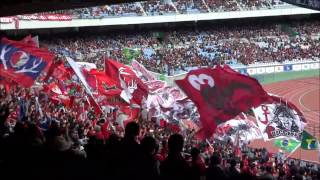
point(86, 65)
point(238, 129)
point(33, 41)
point(221, 94)
point(155, 85)
point(22, 62)
point(142, 72)
point(83, 80)
point(279, 118)
point(79, 74)
point(91, 80)
point(106, 85)
point(56, 94)
point(309, 142)
point(288, 145)
point(61, 73)
point(130, 53)
point(133, 89)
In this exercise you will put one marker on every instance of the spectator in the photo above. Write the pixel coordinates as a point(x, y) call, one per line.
point(130, 153)
point(268, 174)
point(233, 173)
point(215, 171)
point(148, 161)
point(198, 166)
point(174, 166)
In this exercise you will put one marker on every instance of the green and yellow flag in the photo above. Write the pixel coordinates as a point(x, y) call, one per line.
point(309, 142)
point(288, 145)
point(162, 77)
point(130, 53)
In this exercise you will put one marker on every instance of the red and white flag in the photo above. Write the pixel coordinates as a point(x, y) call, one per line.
point(279, 118)
point(133, 89)
point(220, 94)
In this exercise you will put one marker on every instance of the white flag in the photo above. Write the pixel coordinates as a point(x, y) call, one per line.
point(86, 65)
point(279, 118)
point(78, 72)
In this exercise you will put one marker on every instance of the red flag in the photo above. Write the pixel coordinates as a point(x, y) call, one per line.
point(133, 113)
point(22, 62)
point(58, 94)
point(30, 41)
point(127, 114)
point(57, 70)
point(6, 84)
point(221, 94)
point(95, 105)
point(134, 88)
point(105, 84)
point(91, 79)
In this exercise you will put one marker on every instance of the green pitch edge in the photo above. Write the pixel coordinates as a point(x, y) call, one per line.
point(284, 76)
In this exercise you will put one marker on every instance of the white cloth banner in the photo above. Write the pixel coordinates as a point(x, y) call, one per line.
point(142, 72)
point(236, 129)
point(86, 65)
point(279, 119)
point(79, 74)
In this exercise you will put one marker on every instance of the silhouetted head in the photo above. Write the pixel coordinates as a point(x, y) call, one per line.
point(302, 171)
point(175, 143)
point(19, 128)
point(215, 159)
point(33, 130)
point(114, 139)
point(148, 144)
point(195, 152)
point(233, 163)
point(132, 129)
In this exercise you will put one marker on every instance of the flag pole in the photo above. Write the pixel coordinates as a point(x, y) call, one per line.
point(88, 91)
point(209, 143)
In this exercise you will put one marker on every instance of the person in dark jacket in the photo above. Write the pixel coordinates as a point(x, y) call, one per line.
point(215, 170)
point(148, 161)
point(233, 173)
point(130, 156)
point(198, 167)
point(175, 167)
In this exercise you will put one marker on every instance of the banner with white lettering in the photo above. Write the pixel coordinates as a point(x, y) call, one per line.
point(279, 118)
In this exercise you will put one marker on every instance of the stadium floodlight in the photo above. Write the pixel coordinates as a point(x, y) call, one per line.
point(10, 8)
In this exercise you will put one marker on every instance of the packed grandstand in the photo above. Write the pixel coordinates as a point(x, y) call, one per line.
point(156, 7)
point(95, 103)
point(179, 50)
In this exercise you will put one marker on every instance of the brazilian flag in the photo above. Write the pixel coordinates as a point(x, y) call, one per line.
point(288, 145)
point(309, 142)
point(162, 77)
point(130, 54)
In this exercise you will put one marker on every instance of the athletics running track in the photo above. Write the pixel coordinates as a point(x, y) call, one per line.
point(304, 93)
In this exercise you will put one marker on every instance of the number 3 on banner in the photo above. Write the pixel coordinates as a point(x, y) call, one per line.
point(196, 81)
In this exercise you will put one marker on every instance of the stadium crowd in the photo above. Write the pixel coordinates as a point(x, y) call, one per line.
point(166, 7)
point(54, 145)
point(179, 50)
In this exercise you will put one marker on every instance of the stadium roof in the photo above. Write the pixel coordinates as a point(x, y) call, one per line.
point(16, 7)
